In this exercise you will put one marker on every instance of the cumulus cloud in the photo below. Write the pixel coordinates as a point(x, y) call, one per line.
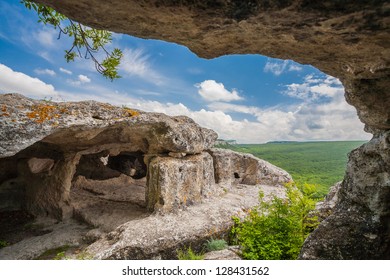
point(278, 67)
point(63, 70)
point(45, 72)
point(84, 79)
point(81, 79)
point(210, 90)
point(16, 82)
point(332, 119)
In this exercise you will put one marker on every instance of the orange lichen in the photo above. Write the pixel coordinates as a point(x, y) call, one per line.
point(130, 113)
point(43, 112)
point(4, 111)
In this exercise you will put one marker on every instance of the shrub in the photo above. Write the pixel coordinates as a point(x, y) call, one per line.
point(189, 255)
point(276, 230)
point(216, 245)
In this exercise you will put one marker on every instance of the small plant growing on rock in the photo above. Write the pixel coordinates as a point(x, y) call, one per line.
point(216, 245)
point(276, 230)
point(189, 254)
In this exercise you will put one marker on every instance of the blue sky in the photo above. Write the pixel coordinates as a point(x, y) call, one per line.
point(249, 98)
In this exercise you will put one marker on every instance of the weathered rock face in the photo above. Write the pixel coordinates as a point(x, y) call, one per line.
point(93, 124)
point(325, 207)
point(232, 168)
point(359, 227)
point(346, 39)
point(177, 182)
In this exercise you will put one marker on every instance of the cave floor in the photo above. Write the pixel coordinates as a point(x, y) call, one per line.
point(98, 208)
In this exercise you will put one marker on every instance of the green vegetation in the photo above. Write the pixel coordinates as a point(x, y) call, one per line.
point(3, 244)
point(276, 229)
point(65, 252)
point(189, 254)
point(216, 245)
point(319, 163)
point(87, 42)
point(54, 254)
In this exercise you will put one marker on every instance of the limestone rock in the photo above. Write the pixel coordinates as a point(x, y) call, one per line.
point(77, 126)
point(325, 208)
point(233, 167)
point(179, 182)
point(67, 233)
point(231, 253)
point(358, 228)
point(44, 145)
point(159, 236)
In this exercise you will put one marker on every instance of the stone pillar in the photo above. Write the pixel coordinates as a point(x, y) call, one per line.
point(178, 182)
point(48, 184)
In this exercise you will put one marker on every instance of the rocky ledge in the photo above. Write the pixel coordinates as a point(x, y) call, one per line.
point(142, 184)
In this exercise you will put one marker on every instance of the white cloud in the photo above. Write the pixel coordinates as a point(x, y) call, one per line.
point(294, 67)
point(81, 79)
point(16, 82)
point(275, 68)
point(210, 90)
point(84, 79)
point(63, 70)
point(136, 63)
point(332, 119)
point(45, 72)
point(45, 55)
point(46, 37)
point(308, 120)
point(314, 88)
point(278, 67)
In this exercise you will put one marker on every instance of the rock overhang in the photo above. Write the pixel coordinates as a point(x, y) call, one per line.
point(348, 39)
point(79, 126)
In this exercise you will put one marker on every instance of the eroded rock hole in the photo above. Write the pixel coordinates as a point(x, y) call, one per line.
point(236, 175)
point(109, 190)
point(131, 164)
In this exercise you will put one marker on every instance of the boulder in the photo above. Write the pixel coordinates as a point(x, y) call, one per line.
point(178, 182)
point(233, 167)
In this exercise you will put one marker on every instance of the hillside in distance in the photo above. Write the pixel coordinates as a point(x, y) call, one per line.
point(319, 163)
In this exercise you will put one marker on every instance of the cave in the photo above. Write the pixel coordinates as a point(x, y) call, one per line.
point(109, 190)
point(308, 33)
point(304, 31)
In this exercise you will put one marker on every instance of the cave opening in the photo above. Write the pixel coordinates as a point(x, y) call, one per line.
point(109, 190)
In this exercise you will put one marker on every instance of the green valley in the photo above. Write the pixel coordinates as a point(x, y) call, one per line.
point(318, 163)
